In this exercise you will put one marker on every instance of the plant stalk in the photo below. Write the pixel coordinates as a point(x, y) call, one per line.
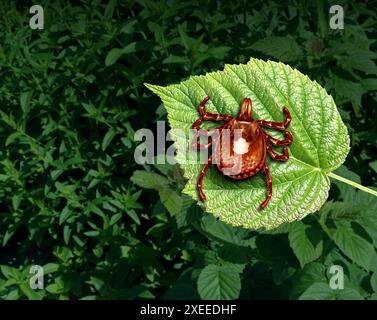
point(352, 183)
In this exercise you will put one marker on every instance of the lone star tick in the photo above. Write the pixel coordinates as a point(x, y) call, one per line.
point(243, 155)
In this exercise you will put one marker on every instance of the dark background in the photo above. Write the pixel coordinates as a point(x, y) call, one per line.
point(71, 97)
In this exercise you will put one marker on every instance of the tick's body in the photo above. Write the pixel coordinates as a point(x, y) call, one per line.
point(241, 146)
point(246, 153)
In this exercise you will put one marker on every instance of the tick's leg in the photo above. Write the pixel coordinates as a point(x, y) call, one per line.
point(200, 179)
point(196, 124)
point(213, 133)
point(269, 186)
point(195, 144)
point(277, 142)
point(278, 125)
point(208, 116)
point(200, 146)
point(278, 157)
point(211, 116)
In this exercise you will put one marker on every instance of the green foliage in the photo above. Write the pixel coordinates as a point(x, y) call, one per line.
point(73, 200)
point(219, 282)
point(322, 291)
point(282, 48)
point(302, 245)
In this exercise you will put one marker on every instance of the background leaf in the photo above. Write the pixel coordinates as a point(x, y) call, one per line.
point(301, 245)
point(219, 283)
point(355, 247)
point(283, 48)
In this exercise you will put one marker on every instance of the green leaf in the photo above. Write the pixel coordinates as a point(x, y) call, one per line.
point(114, 55)
point(65, 214)
point(283, 48)
point(352, 91)
point(13, 137)
point(10, 273)
point(13, 295)
point(354, 246)
point(219, 282)
point(30, 293)
point(171, 200)
point(109, 136)
point(115, 218)
point(322, 291)
point(149, 180)
point(369, 84)
point(318, 291)
point(175, 59)
point(373, 282)
point(348, 294)
point(301, 244)
point(346, 191)
point(50, 268)
point(25, 100)
point(110, 8)
point(184, 288)
point(223, 233)
point(188, 213)
point(9, 233)
point(177, 205)
point(373, 165)
point(54, 288)
point(67, 230)
point(300, 185)
point(357, 206)
point(361, 59)
point(312, 273)
point(133, 215)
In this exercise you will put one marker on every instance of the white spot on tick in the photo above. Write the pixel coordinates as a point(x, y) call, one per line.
point(241, 146)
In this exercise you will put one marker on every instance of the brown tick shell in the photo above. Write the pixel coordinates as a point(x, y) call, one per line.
point(240, 160)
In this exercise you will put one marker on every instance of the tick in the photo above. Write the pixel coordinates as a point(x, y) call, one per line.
point(240, 145)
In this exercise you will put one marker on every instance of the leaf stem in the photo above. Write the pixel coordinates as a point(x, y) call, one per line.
point(352, 183)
